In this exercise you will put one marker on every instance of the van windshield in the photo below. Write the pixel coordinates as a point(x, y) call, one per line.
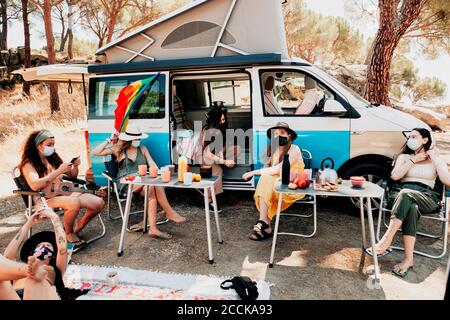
point(356, 97)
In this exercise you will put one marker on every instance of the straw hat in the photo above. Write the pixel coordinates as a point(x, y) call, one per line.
point(132, 133)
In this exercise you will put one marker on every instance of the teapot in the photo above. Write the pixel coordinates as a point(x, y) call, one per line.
point(327, 174)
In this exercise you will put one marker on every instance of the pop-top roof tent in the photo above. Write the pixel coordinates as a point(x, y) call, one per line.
point(208, 32)
point(206, 28)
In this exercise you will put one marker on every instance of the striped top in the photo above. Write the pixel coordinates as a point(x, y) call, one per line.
point(271, 105)
point(178, 112)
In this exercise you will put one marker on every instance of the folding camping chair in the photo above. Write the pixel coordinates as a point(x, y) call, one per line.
point(440, 214)
point(308, 199)
point(28, 195)
point(110, 173)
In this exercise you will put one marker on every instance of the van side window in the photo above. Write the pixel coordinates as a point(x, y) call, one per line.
point(103, 94)
point(292, 93)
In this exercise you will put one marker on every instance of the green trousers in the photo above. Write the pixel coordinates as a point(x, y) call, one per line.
point(409, 201)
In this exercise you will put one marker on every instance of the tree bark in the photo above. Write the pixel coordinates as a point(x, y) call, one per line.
point(26, 35)
point(47, 9)
point(394, 21)
point(69, 30)
point(4, 40)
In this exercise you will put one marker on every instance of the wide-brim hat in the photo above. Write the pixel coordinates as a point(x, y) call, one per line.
point(132, 133)
point(31, 244)
point(285, 126)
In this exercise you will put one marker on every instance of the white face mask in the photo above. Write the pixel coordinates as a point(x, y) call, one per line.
point(136, 143)
point(413, 144)
point(48, 151)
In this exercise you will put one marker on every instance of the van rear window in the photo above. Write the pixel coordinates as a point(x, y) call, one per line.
point(103, 93)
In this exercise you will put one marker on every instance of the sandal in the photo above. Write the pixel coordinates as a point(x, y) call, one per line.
point(399, 272)
point(259, 232)
point(162, 236)
point(78, 244)
point(385, 253)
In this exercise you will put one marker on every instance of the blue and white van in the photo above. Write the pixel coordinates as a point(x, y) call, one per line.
point(201, 51)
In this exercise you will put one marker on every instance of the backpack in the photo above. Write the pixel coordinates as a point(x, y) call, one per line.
point(245, 287)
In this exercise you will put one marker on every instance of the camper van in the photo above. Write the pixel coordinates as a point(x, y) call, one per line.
point(224, 52)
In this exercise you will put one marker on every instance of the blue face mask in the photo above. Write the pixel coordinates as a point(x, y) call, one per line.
point(48, 151)
point(136, 143)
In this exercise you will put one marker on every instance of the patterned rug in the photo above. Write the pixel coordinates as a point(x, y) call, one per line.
point(150, 285)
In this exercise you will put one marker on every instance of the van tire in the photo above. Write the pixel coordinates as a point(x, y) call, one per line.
point(374, 172)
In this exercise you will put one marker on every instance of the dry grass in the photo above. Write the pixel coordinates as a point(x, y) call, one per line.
point(21, 115)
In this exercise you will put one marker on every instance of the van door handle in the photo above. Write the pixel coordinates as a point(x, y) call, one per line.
point(357, 132)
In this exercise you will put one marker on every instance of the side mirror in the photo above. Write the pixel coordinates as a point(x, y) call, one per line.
point(334, 107)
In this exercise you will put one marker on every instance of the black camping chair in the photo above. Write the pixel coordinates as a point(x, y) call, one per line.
point(440, 215)
point(110, 173)
point(29, 197)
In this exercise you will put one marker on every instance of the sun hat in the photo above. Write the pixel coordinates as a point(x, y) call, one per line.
point(132, 133)
point(32, 242)
point(285, 126)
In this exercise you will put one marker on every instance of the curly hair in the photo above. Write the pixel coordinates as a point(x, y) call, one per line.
point(31, 155)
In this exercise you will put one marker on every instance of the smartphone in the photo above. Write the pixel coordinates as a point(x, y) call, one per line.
point(74, 159)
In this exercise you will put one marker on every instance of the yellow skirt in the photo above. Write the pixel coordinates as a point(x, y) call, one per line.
point(266, 191)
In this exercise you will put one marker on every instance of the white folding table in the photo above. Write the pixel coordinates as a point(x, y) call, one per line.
point(207, 185)
point(368, 192)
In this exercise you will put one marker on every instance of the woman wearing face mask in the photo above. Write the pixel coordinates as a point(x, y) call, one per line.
point(47, 251)
point(415, 172)
point(215, 155)
point(266, 199)
point(43, 169)
point(130, 154)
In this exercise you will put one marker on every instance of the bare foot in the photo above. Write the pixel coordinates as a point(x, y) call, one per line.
point(36, 269)
point(160, 235)
point(403, 267)
point(177, 218)
point(72, 237)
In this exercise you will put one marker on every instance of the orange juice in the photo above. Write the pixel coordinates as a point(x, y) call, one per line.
point(182, 168)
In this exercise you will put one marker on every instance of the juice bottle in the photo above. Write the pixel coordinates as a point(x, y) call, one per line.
point(182, 168)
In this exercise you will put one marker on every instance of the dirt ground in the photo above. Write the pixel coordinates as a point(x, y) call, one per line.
point(328, 266)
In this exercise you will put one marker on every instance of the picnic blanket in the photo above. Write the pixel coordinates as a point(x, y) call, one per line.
point(150, 285)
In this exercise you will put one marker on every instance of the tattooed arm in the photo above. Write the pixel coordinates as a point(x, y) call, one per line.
point(13, 247)
point(61, 241)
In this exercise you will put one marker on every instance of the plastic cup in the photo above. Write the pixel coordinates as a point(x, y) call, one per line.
point(153, 171)
point(172, 169)
point(165, 176)
point(142, 169)
point(112, 279)
point(187, 178)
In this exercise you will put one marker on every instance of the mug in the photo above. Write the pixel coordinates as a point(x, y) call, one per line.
point(154, 171)
point(112, 279)
point(142, 168)
point(187, 178)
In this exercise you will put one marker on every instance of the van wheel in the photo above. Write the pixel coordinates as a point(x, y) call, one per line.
point(373, 172)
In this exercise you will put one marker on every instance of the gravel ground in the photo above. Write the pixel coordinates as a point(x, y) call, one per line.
point(328, 266)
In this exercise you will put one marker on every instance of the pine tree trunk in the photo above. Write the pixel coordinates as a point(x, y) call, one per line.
point(26, 34)
point(47, 8)
point(4, 40)
point(69, 31)
point(396, 16)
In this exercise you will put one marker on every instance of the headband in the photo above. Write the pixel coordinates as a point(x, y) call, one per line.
point(42, 136)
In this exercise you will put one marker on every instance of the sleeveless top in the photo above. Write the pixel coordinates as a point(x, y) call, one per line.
point(425, 173)
point(128, 166)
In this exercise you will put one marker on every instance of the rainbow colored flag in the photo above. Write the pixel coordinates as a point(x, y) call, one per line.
point(129, 100)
